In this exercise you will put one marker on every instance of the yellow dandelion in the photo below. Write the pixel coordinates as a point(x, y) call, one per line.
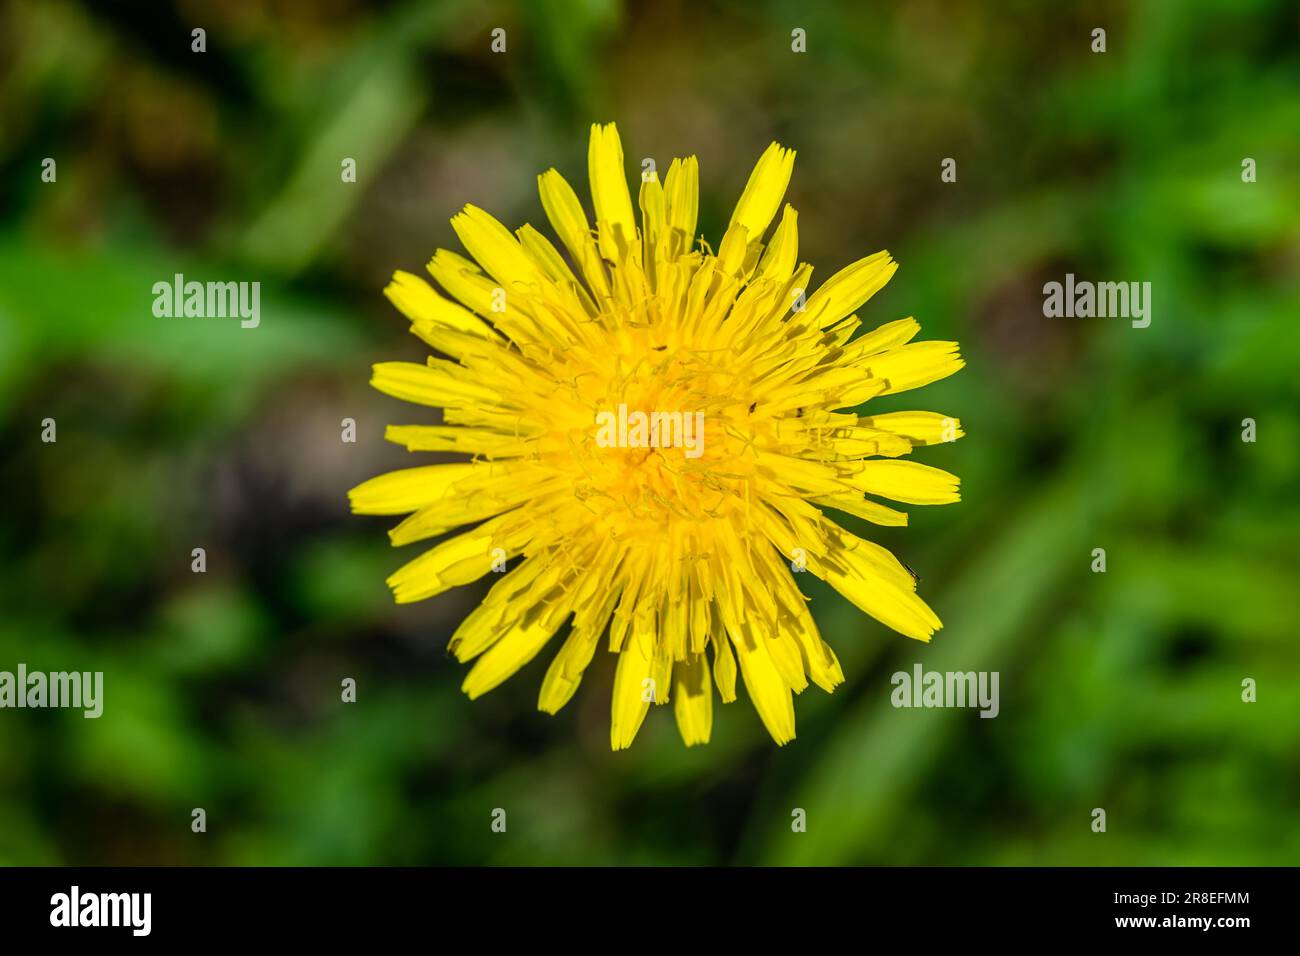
point(655, 432)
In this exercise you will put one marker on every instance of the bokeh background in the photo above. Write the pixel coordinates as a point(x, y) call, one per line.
point(1119, 690)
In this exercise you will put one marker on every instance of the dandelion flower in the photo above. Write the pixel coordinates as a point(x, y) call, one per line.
point(680, 556)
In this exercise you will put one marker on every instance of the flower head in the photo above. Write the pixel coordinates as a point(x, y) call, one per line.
point(655, 433)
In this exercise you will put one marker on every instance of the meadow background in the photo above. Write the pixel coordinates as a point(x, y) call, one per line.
point(1119, 690)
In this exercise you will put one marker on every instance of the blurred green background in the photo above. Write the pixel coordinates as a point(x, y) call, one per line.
point(1119, 690)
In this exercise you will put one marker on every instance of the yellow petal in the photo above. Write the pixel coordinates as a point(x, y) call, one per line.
point(860, 441)
point(732, 252)
point(456, 561)
point(920, 428)
point(907, 481)
point(782, 253)
point(693, 700)
point(484, 625)
point(890, 335)
point(488, 490)
point(724, 668)
point(406, 489)
point(682, 192)
point(914, 365)
point(417, 300)
point(876, 581)
point(853, 285)
point(494, 247)
point(632, 689)
point(609, 193)
point(570, 223)
point(515, 649)
point(764, 191)
point(472, 441)
point(565, 673)
point(768, 690)
point(463, 280)
point(784, 651)
point(654, 213)
point(865, 508)
point(891, 605)
point(548, 259)
point(433, 384)
point(818, 658)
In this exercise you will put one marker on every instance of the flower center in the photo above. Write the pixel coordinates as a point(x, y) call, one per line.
point(657, 434)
